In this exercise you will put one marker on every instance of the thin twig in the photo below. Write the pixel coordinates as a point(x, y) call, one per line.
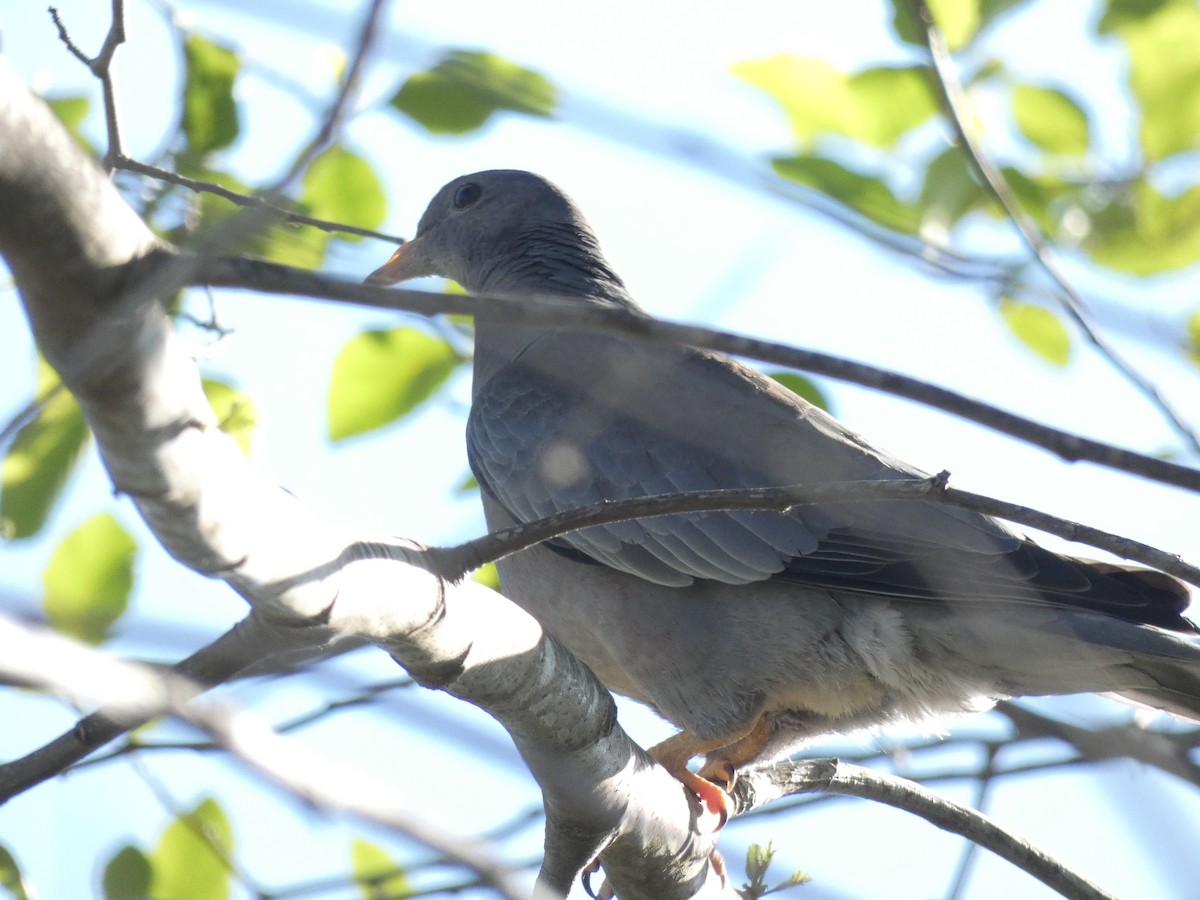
point(101, 67)
point(454, 562)
point(273, 278)
point(249, 200)
point(955, 104)
point(759, 786)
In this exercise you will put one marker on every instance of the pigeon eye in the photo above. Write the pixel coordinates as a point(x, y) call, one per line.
point(466, 195)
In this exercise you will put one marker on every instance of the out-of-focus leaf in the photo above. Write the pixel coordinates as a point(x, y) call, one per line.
point(949, 192)
point(376, 873)
point(341, 186)
point(41, 459)
point(11, 879)
point(869, 196)
point(380, 376)
point(1050, 119)
point(88, 579)
point(236, 414)
point(127, 875)
point(1164, 71)
point(1145, 232)
point(186, 865)
point(1193, 336)
point(1119, 13)
point(1039, 329)
point(488, 576)
point(466, 88)
point(958, 20)
point(1042, 197)
point(890, 101)
point(875, 106)
point(293, 245)
point(468, 485)
point(210, 115)
point(803, 387)
point(71, 111)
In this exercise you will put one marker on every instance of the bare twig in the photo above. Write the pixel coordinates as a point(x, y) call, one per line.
point(101, 67)
point(955, 103)
point(454, 562)
point(249, 200)
point(759, 786)
point(276, 279)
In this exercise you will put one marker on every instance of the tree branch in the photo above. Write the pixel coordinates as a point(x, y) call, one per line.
point(91, 275)
point(124, 163)
point(955, 104)
point(271, 278)
point(454, 562)
point(835, 777)
point(138, 693)
point(101, 67)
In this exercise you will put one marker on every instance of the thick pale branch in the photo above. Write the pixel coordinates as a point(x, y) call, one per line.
point(90, 275)
point(276, 279)
point(137, 693)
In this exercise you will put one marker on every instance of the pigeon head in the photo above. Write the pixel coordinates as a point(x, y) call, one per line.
point(505, 231)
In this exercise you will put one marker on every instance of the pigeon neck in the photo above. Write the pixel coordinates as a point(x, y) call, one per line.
point(560, 260)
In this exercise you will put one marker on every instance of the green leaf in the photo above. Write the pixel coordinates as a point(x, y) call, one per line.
point(1051, 119)
point(189, 862)
point(11, 879)
point(1193, 336)
point(875, 106)
point(1039, 329)
point(889, 102)
point(127, 875)
point(376, 873)
point(236, 413)
point(960, 21)
point(949, 192)
point(210, 115)
point(341, 186)
point(1144, 232)
point(1042, 197)
point(40, 459)
point(380, 376)
point(71, 111)
point(758, 861)
point(802, 387)
point(88, 579)
point(1164, 73)
point(487, 575)
point(869, 196)
point(294, 245)
point(466, 88)
point(1120, 13)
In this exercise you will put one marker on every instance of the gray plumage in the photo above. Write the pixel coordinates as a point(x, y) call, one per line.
point(753, 631)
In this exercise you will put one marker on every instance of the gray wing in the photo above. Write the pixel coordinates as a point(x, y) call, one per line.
point(578, 419)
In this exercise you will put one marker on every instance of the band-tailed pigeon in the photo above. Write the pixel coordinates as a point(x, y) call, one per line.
point(753, 631)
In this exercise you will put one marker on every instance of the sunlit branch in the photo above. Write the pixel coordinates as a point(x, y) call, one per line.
point(833, 776)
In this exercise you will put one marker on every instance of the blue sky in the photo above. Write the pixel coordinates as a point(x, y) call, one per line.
point(691, 245)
